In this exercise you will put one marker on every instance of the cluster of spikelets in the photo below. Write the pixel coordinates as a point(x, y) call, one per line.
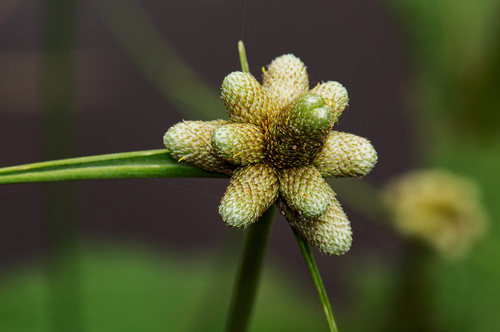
point(439, 208)
point(278, 147)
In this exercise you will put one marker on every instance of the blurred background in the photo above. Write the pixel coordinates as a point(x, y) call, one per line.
point(81, 78)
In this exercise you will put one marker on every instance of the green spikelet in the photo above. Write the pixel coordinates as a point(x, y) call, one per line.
point(335, 96)
point(299, 131)
point(252, 190)
point(239, 143)
point(346, 155)
point(285, 79)
point(330, 233)
point(245, 100)
point(190, 141)
point(304, 190)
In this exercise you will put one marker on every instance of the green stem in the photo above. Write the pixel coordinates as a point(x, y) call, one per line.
point(413, 310)
point(60, 203)
point(243, 57)
point(318, 283)
point(249, 273)
point(126, 165)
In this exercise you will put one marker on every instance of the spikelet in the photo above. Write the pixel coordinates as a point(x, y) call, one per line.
point(299, 132)
point(304, 190)
point(285, 79)
point(239, 143)
point(335, 96)
point(245, 100)
point(190, 141)
point(346, 155)
point(330, 233)
point(251, 191)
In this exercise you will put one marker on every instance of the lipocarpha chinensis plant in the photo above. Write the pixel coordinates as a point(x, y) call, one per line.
point(278, 146)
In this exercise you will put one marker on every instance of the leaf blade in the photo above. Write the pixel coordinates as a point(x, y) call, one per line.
point(126, 165)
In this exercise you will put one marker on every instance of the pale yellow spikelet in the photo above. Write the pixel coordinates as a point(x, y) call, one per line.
point(239, 143)
point(330, 233)
point(190, 141)
point(250, 193)
point(304, 189)
point(346, 155)
point(285, 79)
point(245, 100)
point(335, 96)
point(439, 208)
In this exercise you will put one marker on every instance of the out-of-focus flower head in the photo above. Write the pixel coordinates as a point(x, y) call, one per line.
point(437, 207)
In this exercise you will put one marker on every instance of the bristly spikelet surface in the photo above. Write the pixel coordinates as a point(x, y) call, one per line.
point(335, 96)
point(190, 141)
point(285, 79)
point(251, 191)
point(245, 101)
point(330, 233)
point(299, 131)
point(239, 143)
point(304, 189)
point(346, 155)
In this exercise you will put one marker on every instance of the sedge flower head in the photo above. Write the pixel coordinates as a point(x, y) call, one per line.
point(437, 207)
point(278, 147)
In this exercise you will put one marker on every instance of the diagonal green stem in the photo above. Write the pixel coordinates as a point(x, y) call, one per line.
point(132, 29)
point(126, 165)
point(318, 283)
point(249, 272)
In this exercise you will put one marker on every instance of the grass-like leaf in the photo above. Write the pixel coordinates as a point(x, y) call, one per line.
point(316, 278)
point(127, 165)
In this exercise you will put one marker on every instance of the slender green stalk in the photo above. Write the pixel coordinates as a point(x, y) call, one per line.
point(60, 215)
point(412, 311)
point(126, 165)
point(318, 283)
point(249, 272)
point(243, 57)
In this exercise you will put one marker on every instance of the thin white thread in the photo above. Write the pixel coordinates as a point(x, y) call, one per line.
point(243, 26)
point(244, 18)
point(342, 118)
